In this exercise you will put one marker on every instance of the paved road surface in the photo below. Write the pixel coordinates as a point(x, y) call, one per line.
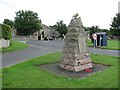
point(37, 48)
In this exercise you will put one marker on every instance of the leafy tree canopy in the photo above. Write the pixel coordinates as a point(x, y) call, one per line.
point(8, 22)
point(93, 29)
point(60, 27)
point(115, 26)
point(27, 22)
point(6, 31)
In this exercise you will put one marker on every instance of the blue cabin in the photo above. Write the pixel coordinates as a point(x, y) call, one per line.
point(101, 39)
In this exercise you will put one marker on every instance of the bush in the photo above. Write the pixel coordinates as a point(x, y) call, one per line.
point(5, 31)
point(0, 31)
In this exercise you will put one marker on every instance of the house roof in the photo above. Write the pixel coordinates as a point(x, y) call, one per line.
point(45, 26)
point(47, 30)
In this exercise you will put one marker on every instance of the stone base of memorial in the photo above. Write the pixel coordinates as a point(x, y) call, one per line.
point(81, 62)
point(77, 65)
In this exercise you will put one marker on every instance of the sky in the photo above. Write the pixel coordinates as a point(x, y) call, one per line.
point(92, 12)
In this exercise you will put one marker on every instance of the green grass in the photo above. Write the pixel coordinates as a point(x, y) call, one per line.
point(14, 45)
point(89, 43)
point(0, 79)
point(112, 44)
point(27, 75)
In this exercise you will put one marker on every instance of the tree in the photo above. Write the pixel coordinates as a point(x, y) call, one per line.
point(115, 26)
point(93, 29)
point(27, 22)
point(60, 27)
point(107, 31)
point(8, 22)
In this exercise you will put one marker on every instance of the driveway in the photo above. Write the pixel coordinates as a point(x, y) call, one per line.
point(38, 48)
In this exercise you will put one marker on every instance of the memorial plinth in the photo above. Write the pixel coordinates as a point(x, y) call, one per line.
point(75, 55)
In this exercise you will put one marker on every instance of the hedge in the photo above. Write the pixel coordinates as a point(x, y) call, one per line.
point(5, 31)
point(0, 31)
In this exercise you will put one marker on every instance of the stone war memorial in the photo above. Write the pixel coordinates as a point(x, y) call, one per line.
point(75, 55)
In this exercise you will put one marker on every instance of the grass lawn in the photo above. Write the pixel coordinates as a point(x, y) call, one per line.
point(89, 43)
point(14, 45)
point(112, 44)
point(0, 79)
point(27, 75)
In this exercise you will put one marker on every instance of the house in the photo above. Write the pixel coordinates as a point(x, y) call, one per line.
point(47, 33)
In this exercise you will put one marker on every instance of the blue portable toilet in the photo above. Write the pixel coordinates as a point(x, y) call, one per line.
point(101, 39)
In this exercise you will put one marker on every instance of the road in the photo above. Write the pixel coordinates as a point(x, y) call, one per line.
point(38, 48)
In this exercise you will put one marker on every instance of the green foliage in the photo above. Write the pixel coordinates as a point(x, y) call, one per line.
point(8, 22)
point(92, 29)
point(0, 31)
point(6, 31)
point(115, 26)
point(107, 31)
point(60, 27)
point(27, 22)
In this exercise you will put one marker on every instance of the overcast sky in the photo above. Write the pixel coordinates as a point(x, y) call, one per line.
point(92, 12)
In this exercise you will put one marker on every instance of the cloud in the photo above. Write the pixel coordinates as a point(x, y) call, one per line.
point(92, 12)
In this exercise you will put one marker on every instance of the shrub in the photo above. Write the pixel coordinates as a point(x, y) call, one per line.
point(0, 31)
point(5, 31)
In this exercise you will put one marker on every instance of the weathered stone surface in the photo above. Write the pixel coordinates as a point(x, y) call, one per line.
point(4, 43)
point(75, 53)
